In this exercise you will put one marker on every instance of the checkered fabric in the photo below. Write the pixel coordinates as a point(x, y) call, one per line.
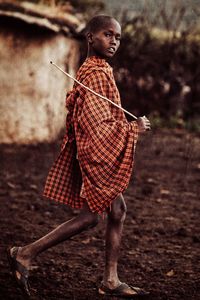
point(97, 153)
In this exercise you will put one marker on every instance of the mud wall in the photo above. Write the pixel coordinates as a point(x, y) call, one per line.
point(32, 91)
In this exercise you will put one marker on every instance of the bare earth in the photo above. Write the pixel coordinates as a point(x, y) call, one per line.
point(161, 242)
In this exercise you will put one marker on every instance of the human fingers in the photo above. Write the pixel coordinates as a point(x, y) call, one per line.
point(145, 119)
point(147, 127)
point(146, 123)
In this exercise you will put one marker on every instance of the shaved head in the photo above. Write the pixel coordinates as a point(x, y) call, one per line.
point(99, 22)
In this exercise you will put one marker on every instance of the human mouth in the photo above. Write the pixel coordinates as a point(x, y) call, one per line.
point(111, 50)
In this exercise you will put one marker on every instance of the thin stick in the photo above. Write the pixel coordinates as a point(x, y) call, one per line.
point(86, 87)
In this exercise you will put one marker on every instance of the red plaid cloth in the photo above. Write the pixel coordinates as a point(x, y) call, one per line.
point(98, 134)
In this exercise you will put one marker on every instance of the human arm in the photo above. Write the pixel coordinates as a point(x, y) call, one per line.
point(104, 125)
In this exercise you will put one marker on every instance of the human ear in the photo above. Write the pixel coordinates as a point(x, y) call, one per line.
point(90, 37)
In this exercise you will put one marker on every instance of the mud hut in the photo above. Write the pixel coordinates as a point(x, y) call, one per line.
point(32, 91)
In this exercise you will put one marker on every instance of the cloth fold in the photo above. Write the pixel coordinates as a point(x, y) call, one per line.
point(104, 140)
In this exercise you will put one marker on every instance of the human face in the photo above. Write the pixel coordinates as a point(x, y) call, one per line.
point(105, 42)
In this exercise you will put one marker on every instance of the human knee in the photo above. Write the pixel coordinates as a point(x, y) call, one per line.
point(118, 211)
point(91, 220)
point(88, 218)
point(94, 221)
point(119, 214)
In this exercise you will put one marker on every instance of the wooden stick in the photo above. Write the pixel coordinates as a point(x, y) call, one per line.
point(87, 88)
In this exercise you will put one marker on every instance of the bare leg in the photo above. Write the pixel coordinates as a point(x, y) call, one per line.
point(86, 219)
point(115, 222)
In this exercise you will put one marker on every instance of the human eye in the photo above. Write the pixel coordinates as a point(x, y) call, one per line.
point(107, 34)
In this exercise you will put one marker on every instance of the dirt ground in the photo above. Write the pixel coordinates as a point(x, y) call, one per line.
point(161, 241)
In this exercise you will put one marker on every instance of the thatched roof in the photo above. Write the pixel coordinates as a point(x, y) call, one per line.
point(54, 18)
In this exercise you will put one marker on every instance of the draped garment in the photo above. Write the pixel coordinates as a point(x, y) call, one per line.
point(97, 154)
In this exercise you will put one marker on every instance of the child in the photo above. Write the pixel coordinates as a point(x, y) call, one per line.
point(95, 162)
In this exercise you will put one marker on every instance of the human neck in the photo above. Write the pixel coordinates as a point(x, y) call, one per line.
point(91, 53)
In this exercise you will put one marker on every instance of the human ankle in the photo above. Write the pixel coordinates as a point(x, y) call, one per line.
point(24, 255)
point(111, 282)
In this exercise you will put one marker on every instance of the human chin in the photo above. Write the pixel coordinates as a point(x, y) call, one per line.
point(104, 54)
point(108, 54)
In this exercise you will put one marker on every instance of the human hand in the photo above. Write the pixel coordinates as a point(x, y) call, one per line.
point(143, 124)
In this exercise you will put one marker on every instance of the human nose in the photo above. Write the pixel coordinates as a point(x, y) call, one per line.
point(113, 40)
